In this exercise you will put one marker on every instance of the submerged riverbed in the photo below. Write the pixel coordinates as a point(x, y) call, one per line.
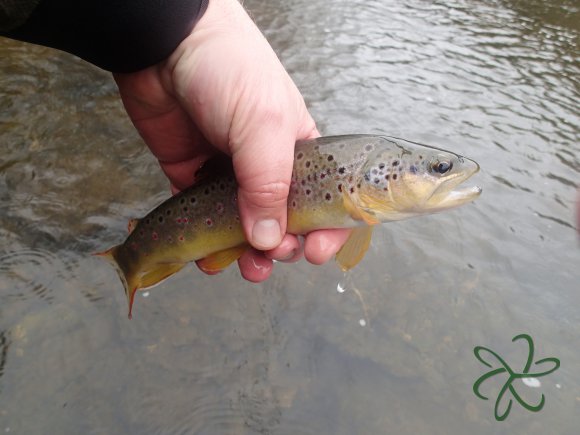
point(387, 348)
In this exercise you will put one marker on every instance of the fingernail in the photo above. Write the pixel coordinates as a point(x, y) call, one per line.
point(266, 234)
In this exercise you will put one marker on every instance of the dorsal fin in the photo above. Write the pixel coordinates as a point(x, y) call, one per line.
point(216, 165)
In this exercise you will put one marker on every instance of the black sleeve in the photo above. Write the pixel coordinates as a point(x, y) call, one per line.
point(116, 35)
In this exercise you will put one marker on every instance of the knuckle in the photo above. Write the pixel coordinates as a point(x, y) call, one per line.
point(272, 194)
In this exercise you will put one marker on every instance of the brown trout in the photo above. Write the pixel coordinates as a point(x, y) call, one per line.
point(354, 181)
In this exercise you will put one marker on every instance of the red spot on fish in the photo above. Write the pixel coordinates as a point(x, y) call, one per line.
point(178, 220)
point(181, 238)
point(208, 222)
point(154, 236)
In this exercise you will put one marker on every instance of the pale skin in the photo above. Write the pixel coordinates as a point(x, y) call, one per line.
point(224, 89)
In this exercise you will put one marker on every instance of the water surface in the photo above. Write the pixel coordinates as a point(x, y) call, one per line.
point(387, 348)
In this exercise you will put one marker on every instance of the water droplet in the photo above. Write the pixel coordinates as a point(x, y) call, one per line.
point(362, 322)
point(340, 288)
point(145, 294)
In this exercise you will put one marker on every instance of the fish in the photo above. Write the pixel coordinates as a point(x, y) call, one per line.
point(351, 181)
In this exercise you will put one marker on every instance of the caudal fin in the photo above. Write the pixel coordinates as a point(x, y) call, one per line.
point(130, 281)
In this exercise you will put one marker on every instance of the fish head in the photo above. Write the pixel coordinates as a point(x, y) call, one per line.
point(411, 179)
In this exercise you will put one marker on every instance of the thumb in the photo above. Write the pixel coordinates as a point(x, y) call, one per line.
point(263, 167)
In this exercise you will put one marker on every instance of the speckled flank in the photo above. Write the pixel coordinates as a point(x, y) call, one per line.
point(189, 225)
point(322, 175)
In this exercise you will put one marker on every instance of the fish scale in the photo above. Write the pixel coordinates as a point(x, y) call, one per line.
point(354, 181)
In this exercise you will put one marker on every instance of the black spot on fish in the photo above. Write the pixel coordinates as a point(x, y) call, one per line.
point(308, 191)
point(206, 191)
point(330, 158)
point(381, 166)
point(396, 163)
point(387, 177)
point(413, 169)
point(182, 201)
point(192, 200)
point(352, 190)
point(299, 155)
point(168, 212)
point(377, 181)
point(368, 148)
point(160, 219)
point(222, 187)
point(420, 157)
point(394, 176)
point(307, 164)
point(185, 209)
point(328, 196)
point(303, 182)
point(322, 175)
point(341, 170)
point(147, 221)
point(340, 187)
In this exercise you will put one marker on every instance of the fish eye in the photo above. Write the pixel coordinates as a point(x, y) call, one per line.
point(441, 166)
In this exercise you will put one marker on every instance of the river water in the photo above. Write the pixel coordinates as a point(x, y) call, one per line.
point(387, 348)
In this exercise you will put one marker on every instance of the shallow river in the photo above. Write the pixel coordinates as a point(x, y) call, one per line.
point(387, 348)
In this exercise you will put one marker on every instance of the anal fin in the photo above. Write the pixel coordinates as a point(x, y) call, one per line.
point(218, 261)
point(158, 273)
point(355, 248)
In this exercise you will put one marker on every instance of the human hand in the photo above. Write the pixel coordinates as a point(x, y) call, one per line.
point(224, 89)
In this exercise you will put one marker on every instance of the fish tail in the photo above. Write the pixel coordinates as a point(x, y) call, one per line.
point(128, 278)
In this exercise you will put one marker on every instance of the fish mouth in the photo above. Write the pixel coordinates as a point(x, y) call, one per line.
point(448, 195)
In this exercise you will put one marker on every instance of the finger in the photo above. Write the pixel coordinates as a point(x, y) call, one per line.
point(254, 266)
point(263, 167)
point(320, 246)
point(288, 251)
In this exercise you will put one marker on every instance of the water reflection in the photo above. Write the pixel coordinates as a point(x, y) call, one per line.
point(493, 80)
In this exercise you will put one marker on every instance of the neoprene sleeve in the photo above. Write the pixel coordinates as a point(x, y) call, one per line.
point(116, 35)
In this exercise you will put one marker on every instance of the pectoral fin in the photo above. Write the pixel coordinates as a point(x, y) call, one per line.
point(355, 248)
point(218, 261)
point(357, 212)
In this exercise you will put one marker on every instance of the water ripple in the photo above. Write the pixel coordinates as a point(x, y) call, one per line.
point(32, 273)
